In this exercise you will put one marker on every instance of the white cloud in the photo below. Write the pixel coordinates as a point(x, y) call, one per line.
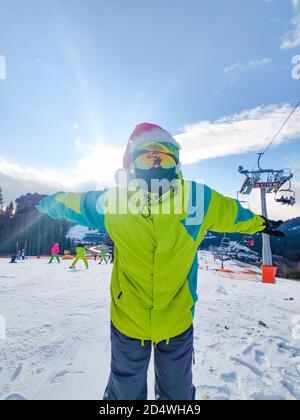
point(27, 174)
point(2, 67)
point(94, 170)
point(292, 38)
point(296, 4)
point(238, 67)
point(239, 133)
point(256, 64)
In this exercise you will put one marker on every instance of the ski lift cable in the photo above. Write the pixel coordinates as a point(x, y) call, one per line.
point(278, 132)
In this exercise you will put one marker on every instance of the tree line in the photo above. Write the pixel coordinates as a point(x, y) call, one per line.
point(23, 227)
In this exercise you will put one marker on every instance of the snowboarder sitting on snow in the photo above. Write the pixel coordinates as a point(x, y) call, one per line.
point(55, 253)
point(154, 280)
point(80, 255)
point(13, 259)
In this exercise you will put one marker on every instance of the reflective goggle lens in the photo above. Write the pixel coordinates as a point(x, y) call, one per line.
point(151, 155)
point(149, 160)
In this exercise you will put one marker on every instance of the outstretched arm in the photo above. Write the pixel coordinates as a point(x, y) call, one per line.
point(84, 209)
point(228, 215)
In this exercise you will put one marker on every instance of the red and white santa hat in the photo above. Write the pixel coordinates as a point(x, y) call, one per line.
point(146, 133)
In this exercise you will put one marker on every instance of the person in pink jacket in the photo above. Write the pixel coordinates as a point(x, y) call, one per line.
point(54, 253)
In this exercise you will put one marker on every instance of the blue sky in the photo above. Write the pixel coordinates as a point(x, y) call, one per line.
point(81, 74)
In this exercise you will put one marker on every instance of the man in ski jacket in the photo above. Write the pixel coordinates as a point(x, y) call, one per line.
point(156, 227)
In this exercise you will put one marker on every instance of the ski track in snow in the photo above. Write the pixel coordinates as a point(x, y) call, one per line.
point(57, 339)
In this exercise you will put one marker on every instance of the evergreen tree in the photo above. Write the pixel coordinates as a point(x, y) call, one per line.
point(1, 202)
point(10, 210)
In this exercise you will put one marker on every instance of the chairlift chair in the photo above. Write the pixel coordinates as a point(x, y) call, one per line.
point(225, 242)
point(249, 241)
point(286, 197)
point(244, 203)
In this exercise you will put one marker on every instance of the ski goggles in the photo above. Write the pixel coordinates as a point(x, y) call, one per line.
point(156, 155)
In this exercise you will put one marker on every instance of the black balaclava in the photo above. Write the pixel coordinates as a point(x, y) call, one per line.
point(156, 173)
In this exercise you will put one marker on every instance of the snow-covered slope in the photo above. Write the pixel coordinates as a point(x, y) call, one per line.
point(78, 233)
point(57, 344)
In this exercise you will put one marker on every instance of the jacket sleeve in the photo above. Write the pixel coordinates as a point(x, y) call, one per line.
point(83, 209)
point(228, 215)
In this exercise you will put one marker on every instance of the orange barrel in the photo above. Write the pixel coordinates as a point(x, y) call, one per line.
point(269, 274)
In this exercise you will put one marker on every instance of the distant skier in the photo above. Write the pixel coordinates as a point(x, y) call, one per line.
point(112, 257)
point(103, 256)
point(80, 255)
point(154, 280)
point(55, 253)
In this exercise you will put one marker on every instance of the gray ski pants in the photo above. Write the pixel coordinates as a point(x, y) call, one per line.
point(130, 361)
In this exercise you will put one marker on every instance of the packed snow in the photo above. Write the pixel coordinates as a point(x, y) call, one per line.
point(56, 346)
